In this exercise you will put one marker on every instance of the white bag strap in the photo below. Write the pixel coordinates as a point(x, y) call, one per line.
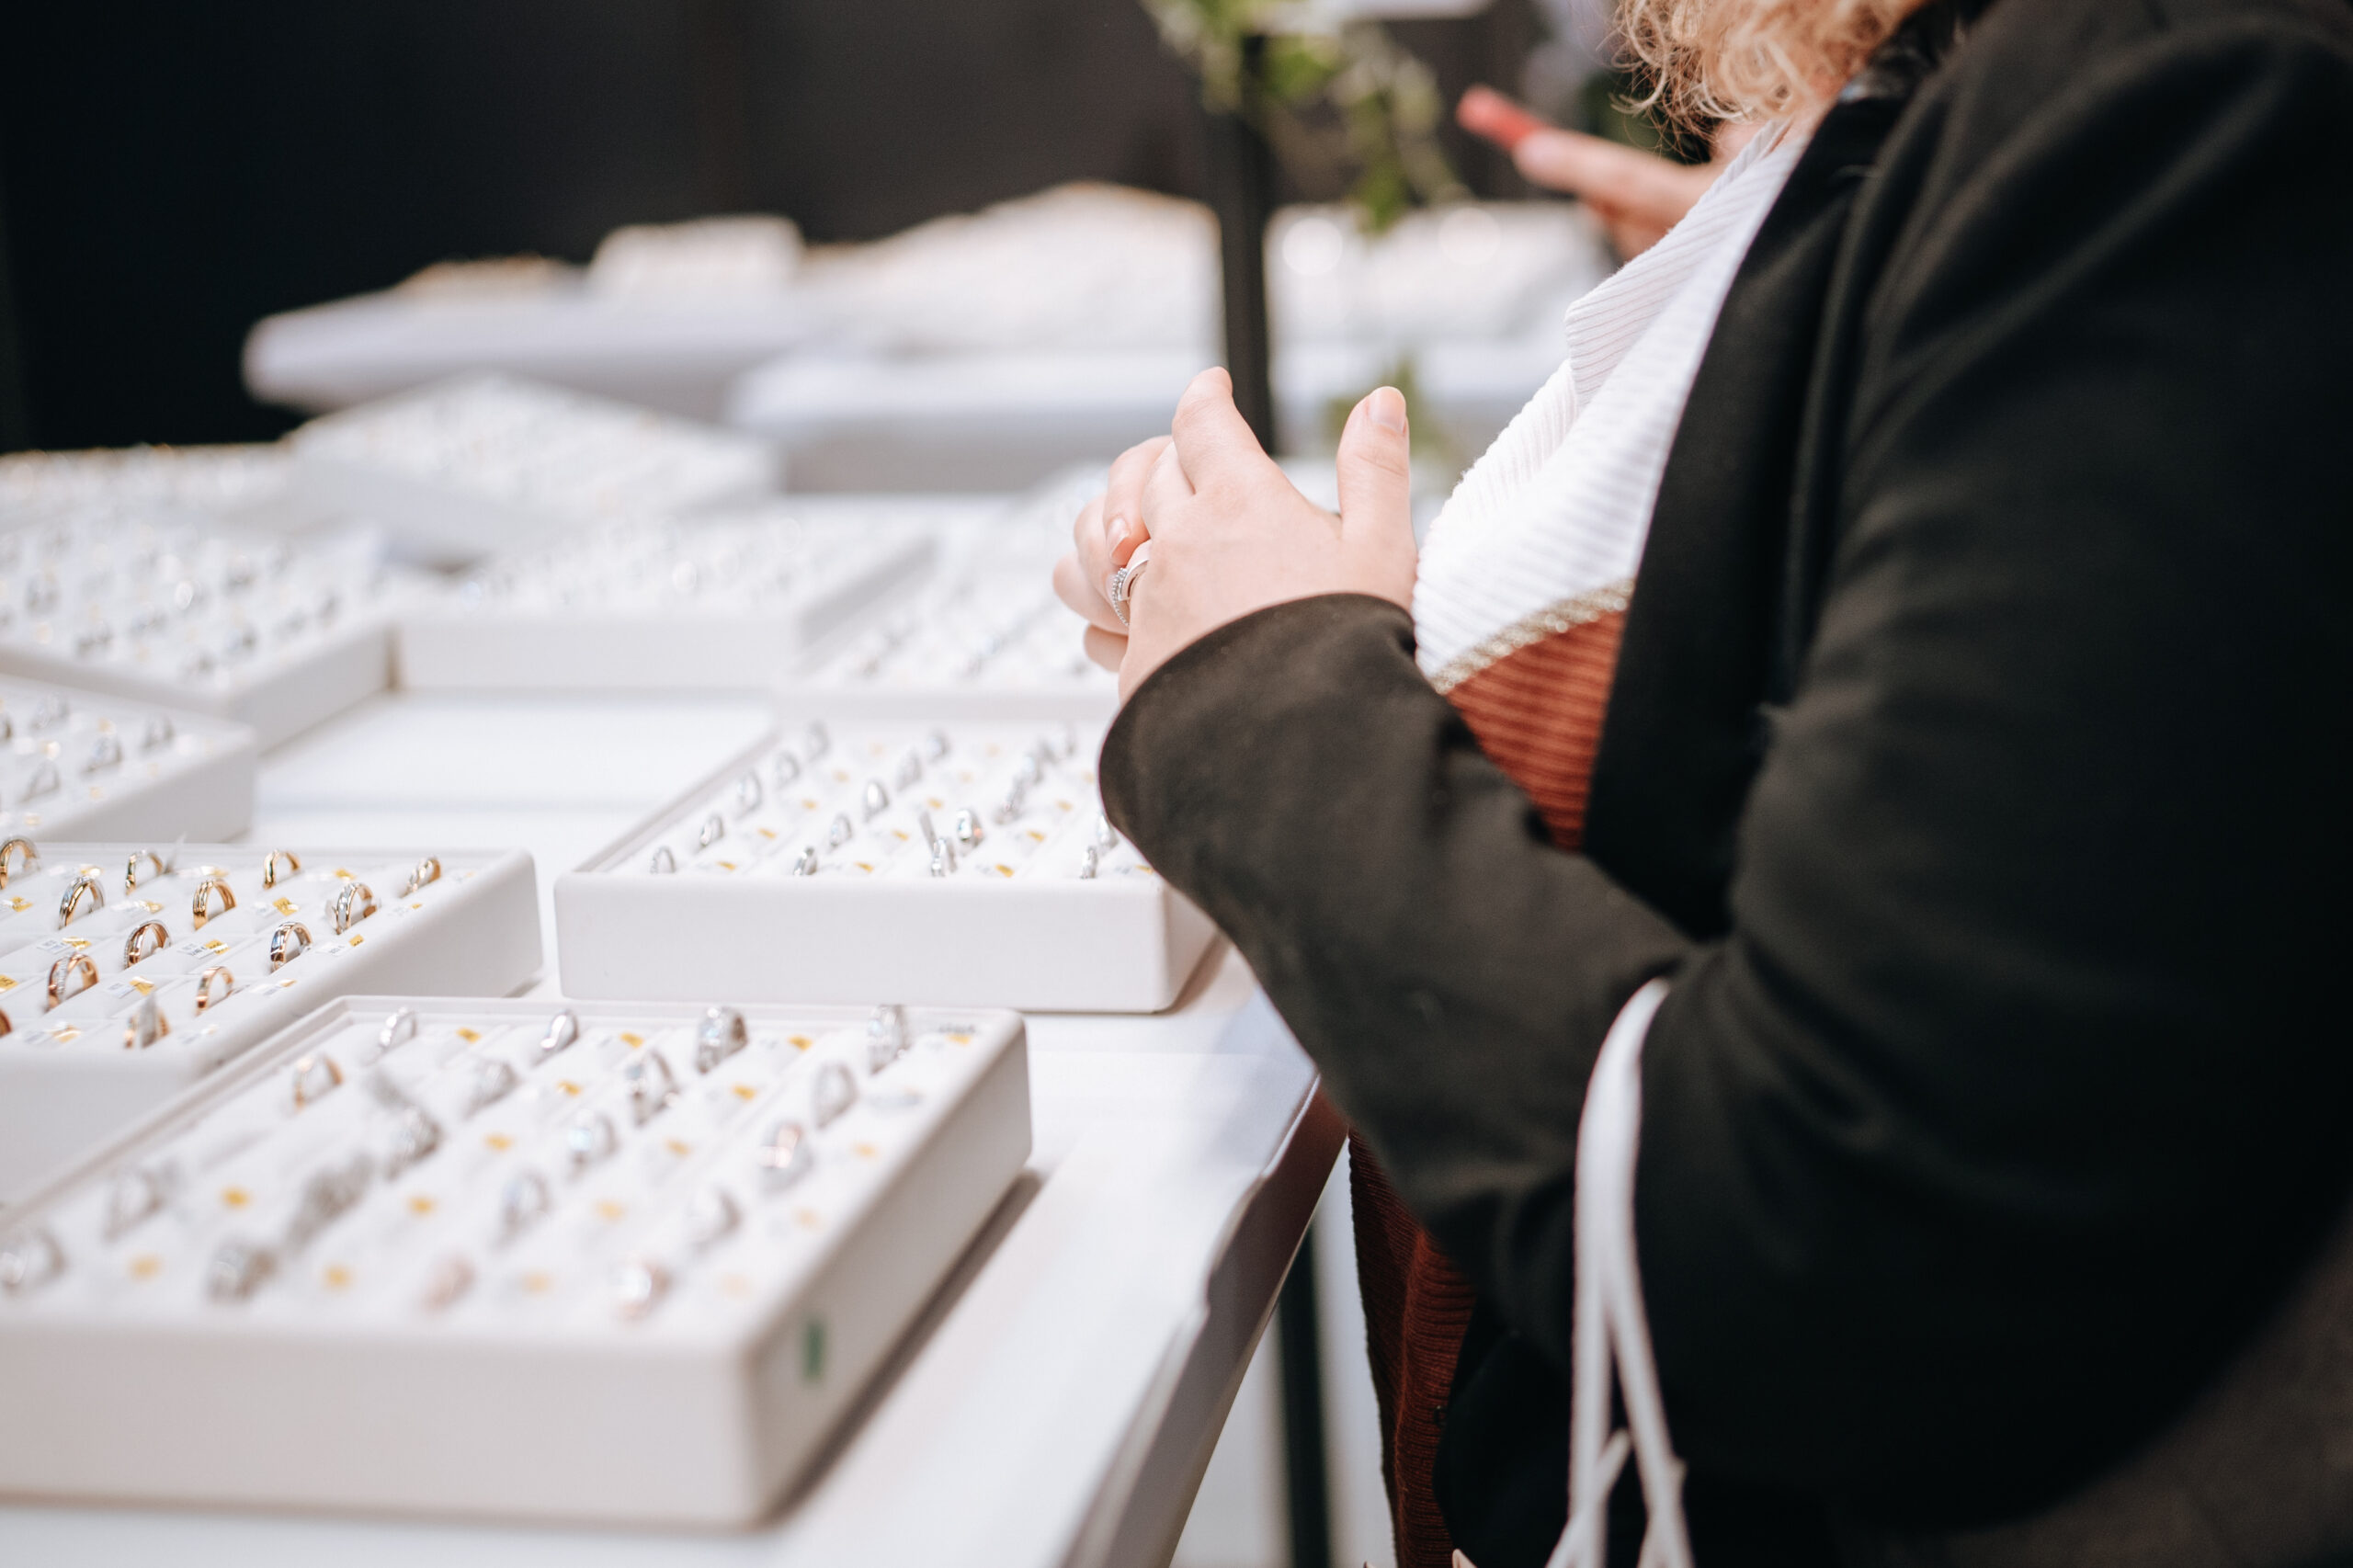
point(1610, 1325)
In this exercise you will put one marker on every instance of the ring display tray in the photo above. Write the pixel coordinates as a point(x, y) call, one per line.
point(615, 1262)
point(464, 467)
point(88, 765)
point(115, 996)
point(724, 601)
point(988, 641)
point(167, 607)
point(221, 480)
point(984, 638)
point(968, 865)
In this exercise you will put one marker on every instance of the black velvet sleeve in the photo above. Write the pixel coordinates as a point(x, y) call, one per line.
point(1452, 974)
point(2018, 1087)
point(2020, 1084)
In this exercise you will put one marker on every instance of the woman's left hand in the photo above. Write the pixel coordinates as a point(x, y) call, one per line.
point(1230, 534)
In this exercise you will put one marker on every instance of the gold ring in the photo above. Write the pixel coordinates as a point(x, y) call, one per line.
point(63, 970)
point(6, 1027)
point(130, 877)
point(353, 902)
point(145, 1026)
point(427, 870)
point(70, 905)
point(204, 997)
point(157, 941)
point(8, 862)
point(200, 910)
point(282, 950)
point(269, 872)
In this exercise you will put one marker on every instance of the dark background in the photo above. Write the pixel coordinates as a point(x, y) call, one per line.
point(169, 173)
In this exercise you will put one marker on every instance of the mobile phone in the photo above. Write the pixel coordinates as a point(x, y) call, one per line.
point(1486, 112)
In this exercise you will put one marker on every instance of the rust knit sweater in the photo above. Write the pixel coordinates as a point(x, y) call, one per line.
point(1537, 713)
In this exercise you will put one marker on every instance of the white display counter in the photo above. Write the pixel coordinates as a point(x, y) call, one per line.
point(1058, 1400)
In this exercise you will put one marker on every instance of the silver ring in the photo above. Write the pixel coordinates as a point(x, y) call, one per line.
point(1123, 581)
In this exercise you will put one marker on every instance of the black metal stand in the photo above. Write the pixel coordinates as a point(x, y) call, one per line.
point(1241, 175)
point(1300, 1340)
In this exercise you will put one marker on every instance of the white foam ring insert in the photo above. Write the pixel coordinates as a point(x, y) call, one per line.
point(984, 638)
point(623, 1263)
point(88, 765)
point(106, 929)
point(962, 863)
point(723, 601)
point(466, 466)
point(164, 607)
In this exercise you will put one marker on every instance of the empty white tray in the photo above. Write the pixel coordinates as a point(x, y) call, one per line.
point(1049, 911)
point(423, 1262)
point(67, 1078)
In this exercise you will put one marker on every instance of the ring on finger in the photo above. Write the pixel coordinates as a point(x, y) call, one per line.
point(1123, 581)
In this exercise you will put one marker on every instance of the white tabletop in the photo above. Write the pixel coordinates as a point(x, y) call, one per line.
point(1057, 1402)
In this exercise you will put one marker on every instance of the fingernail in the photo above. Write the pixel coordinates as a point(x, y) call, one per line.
point(1387, 406)
point(1122, 532)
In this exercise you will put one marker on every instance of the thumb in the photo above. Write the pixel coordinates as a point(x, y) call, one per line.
point(1376, 478)
point(1212, 439)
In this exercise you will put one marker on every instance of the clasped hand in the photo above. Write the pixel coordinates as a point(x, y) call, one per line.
point(1230, 533)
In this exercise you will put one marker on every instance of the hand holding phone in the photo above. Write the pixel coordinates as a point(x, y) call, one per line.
point(1486, 112)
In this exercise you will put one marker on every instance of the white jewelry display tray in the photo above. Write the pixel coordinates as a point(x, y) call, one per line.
point(335, 1277)
point(67, 1079)
point(984, 638)
point(1013, 925)
point(986, 643)
point(728, 600)
point(165, 607)
point(89, 766)
point(464, 467)
point(221, 480)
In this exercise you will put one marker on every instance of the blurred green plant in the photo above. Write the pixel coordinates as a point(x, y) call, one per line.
point(1339, 101)
point(1428, 439)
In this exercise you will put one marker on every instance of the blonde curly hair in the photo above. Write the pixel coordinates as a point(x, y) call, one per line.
point(1752, 60)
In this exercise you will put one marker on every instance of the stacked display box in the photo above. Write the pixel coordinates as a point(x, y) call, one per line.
point(128, 972)
point(628, 1264)
point(962, 863)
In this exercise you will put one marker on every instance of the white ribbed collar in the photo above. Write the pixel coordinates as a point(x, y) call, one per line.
point(1553, 516)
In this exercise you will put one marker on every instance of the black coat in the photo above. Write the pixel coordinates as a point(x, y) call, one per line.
point(1976, 770)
